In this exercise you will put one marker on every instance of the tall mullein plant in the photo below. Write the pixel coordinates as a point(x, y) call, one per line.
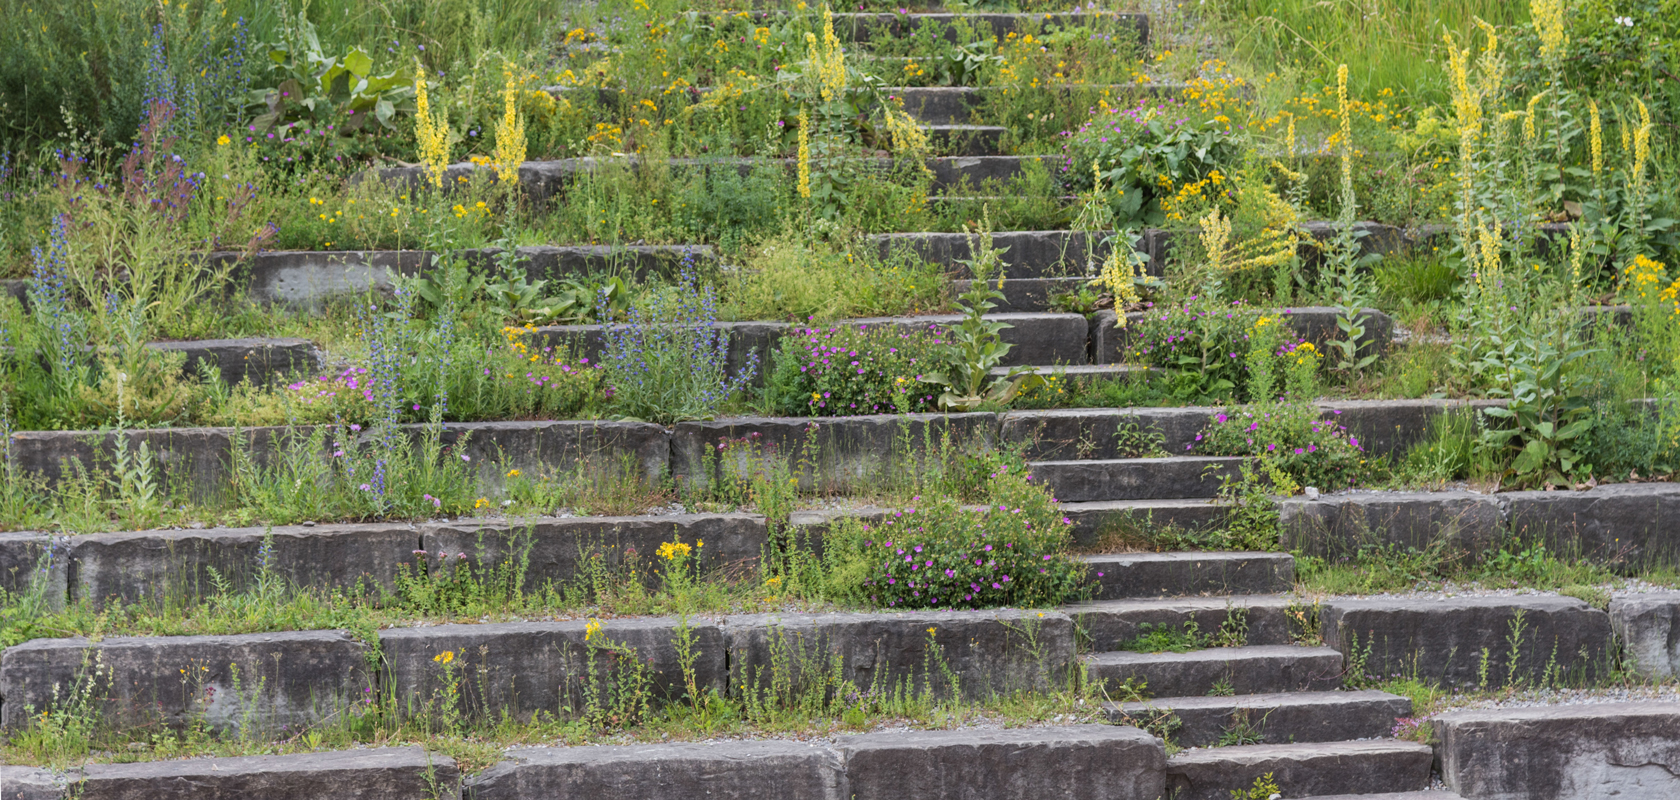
point(669, 360)
point(1350, 286)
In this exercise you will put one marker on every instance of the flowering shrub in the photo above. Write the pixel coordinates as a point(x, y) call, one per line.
point(1142, 155)
point(1011, 551)
point(1312, 451)
point(847, 371)
point(1203, 342)
point(669, 360)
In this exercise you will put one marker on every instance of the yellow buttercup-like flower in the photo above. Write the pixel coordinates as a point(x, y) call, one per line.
point(673, 550)
point(444, 657)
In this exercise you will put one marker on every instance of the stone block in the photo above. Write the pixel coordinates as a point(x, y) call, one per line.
point(1338, 525)
point(1108, 624)
point(997, 651)
point(1027, 294)
point(1300, 770)
point(308, 279)
point(273, 679)
point(262, 361)
point(1042, 339)
point(1027, 254)
point(1629, 751)
point(159, 567)
point(731, 770)
point(389, 773)
point(36, 561)
point(1102, 433)
point(749, 345)
point(1184, 573)
point(1648, 625)
point(1136, 521)
point(829, 454)
point(1173, 477)
point(1275, 718)
point(556, 551)
point(1082, 762)
point(1258, 669)
point(1391, 427)
point(562, 448)
point(31, 783)
point(1556, 639)
point(1625, 525)
point(524, 668)
point(1317, 324)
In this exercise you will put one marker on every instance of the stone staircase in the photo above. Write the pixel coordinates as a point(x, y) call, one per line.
point(1268, 703)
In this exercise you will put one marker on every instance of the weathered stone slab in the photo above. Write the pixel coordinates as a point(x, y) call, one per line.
point(638, 450)
point(1300, 770)
point(1110, 623)
point(392, 773)
point(36, 561)
point(832, 454)
point(1648, 625)
point(273, 679)
point(1039, 339)
point(259, 360)
point(1027, 254)
point(1391, 427)
point(1083, 762)
point(170, 566)
point(1102, 433)
point(1027, 294)
point(30, 783)
point(556, 552)
point(716, 771)
point(1339, 525)
point(1556, 639)
point(1241, 670)
point(1136, 520)
point(524, 668)
point(1124, 575)
point(1629, 751)
point(1172, 477)
point(1626, 525)
point(995, 651)
point(749, 345)
point(1277, 718)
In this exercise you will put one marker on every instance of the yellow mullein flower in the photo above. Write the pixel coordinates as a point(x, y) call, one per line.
point(510, 131)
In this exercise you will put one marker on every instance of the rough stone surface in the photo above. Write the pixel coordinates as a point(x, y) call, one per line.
point(1629, 751)
point(161, 566)
point(1443, 640)
point(29, 559)
point(1110, 623)
point(1648, 625)
point(1127, 575)
point(1084, 762)
point(634, 450)
point(1625, 525)
point(259, 360)
point(715, 771)
point(1390, 427)
point(1029, 254)
point(1173, 477)
point(1427, 794)
point(30, 783)
point(1027, 294)
point(1041, 339)
point(395, 773)
point(1301, 770)
point(1131, 521)
point(293, 678)
point(1001, 650)
point(1337, 525)
point(523, 668)
point(829, 454)
point(577, 261)
point(748, 345)
point(1276, 718)
point(1102, 433)
point(1245, 670)
point(555, 551)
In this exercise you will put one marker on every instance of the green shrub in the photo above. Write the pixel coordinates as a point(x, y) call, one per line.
point(848, 370)
point(1311, 450)
point(1010, 552)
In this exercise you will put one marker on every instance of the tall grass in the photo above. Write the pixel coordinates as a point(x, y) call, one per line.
point(1387, 44)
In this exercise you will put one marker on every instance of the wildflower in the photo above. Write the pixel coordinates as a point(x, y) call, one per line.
point(444, 657)
point(670, 551)
point(591, 630)
point(513, 473)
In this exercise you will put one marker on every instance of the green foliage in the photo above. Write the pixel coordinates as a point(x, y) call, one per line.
point(789, 278)
point(1140, 153)
point(1311, 450)
point(848, 370)
point(320, 92)
point(939, 555)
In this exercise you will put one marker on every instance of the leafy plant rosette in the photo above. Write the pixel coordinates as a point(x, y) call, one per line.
point(1202, 342)
point(1143, 154)
point(1012, 551)
point(1297, 442)
point(849, 370)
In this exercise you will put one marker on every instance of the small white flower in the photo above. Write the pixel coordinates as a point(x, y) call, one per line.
point(1625, 21)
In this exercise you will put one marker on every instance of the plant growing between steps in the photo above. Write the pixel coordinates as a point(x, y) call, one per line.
point(974, 346)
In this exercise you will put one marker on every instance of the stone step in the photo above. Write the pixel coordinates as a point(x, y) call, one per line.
point(1027, 294)
point(1236, 670)
point(1173, 477)
point(387, 772)
point(1083, 433)
point(1134, 520)
point(966, 140)
point(1427, 794)
point(1189, 573)
point(1266, 718)
point(950, 105)
point(1475, 641)
point(1355, 768)
point(1027, 254)
point(1108, 624)
point(1075, 372)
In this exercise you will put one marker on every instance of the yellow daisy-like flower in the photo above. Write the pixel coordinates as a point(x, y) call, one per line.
point(444, 657)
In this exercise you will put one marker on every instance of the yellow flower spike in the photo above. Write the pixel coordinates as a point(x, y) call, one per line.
point(431, 134)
